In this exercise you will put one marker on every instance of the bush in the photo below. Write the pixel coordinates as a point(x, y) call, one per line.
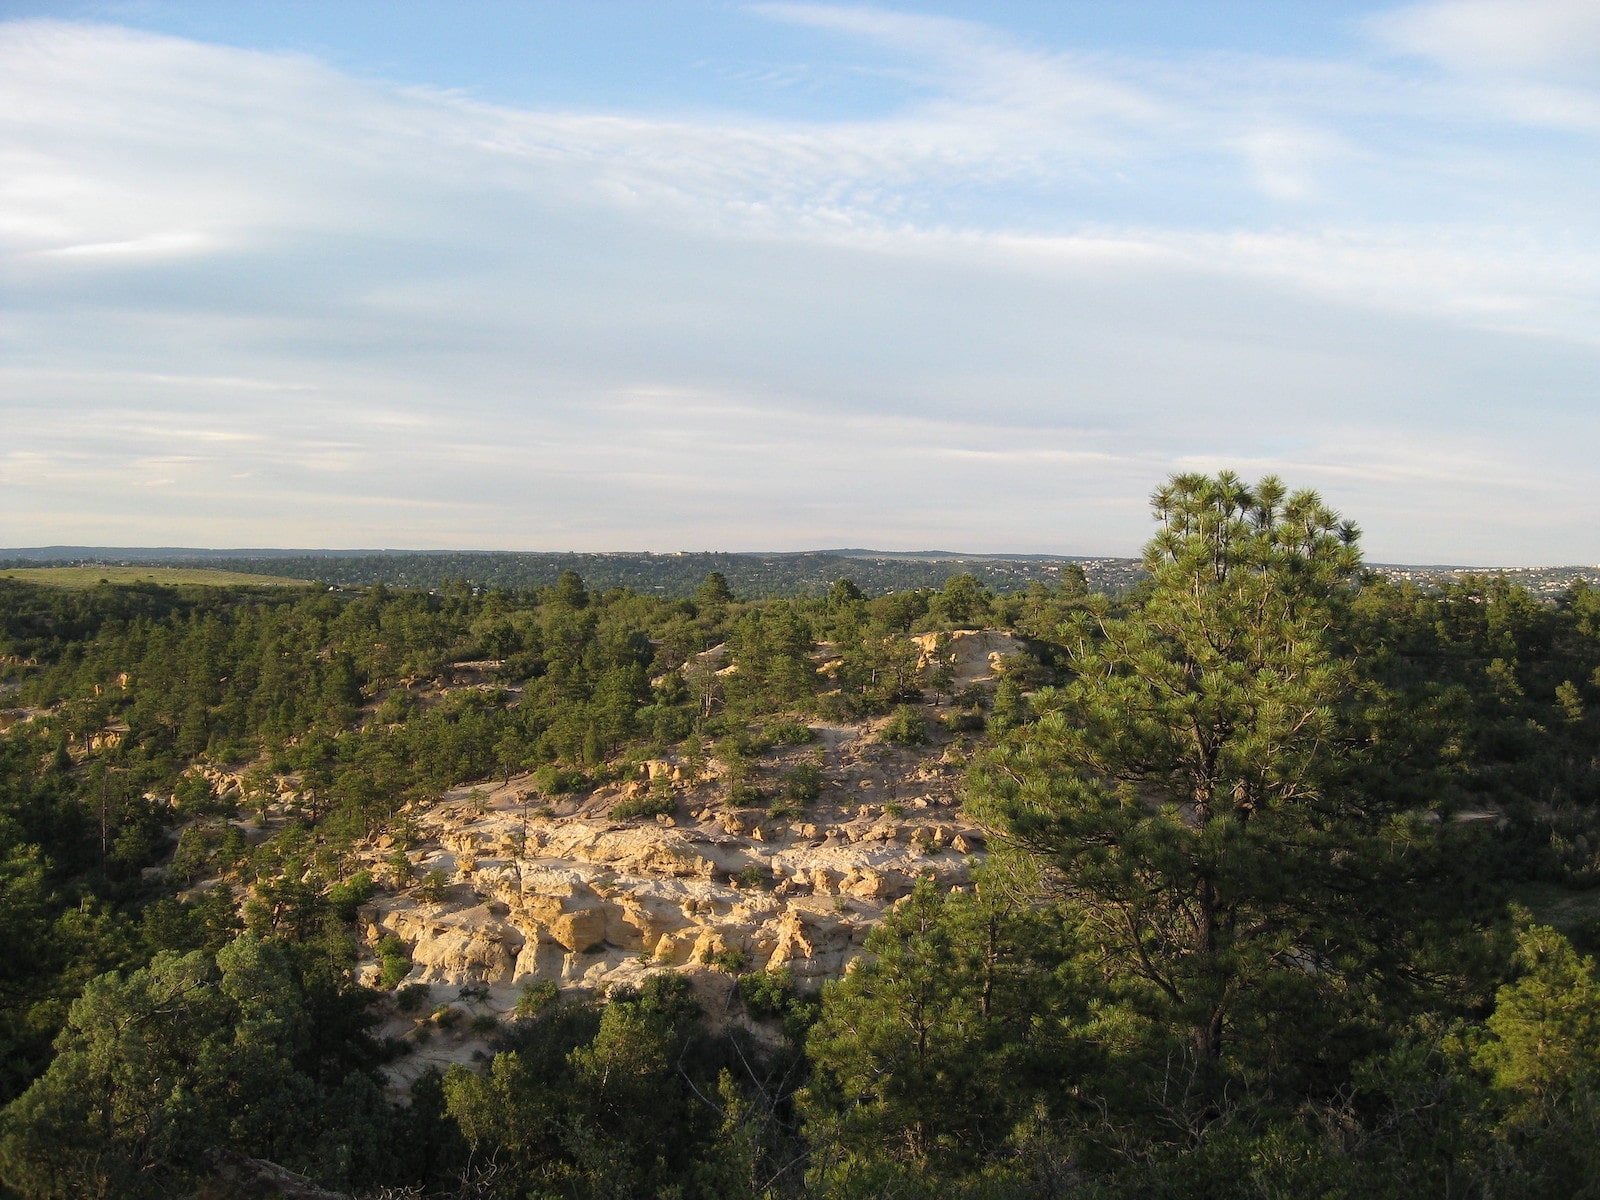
point(484, 1024)
point(766, 993)
point(196, 853)
point(347, 896)
point(803, 782)
point(731, 961)
point(754, 877)
point(396, 962)
point(907, 726)
point(737, 747)
point(965, 720)
point(398, 869)
point(648, 805)
point(433, 887)
point(553, 780)
point(394, 709)
point(1010, 707)
point(412, 997)
point(536, 996)
point(745, 795)
point(194, 795)
point(790, 733)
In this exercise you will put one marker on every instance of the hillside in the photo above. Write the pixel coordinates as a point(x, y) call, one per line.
point(375, 878)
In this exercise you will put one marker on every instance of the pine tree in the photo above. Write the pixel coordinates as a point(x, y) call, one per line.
point(1190, 786)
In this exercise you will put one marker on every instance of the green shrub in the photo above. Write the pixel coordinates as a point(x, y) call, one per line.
point(803, 782)
point(964, 720)
point(396, 962)
point(555, 780)
point(1010, 707)
point(741, 744)
point(398, 868)
point(649, 805)
point(412, 997)
point(484, 1024)
point(754, 877)
point(745, 795)
point(731, 961)
point(433, 887)
point(446, 1017)
point(196, 854)
point(766, 993)
point(907, 726)
point(394, 709)
point(789, 733)
point(350, 894)
point(537, 995)
point(194, 795)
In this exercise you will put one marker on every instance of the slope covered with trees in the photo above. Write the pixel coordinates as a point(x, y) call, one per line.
point(1294, 897)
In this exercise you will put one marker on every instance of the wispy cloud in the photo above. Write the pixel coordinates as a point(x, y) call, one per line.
point(276, 297)
point(1498, 36)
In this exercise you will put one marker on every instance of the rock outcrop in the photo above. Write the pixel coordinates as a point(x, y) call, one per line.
point(971, 655)
point(570, 895)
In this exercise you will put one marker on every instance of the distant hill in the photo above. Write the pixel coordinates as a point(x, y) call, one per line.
point(678, 574)
point(750, 575)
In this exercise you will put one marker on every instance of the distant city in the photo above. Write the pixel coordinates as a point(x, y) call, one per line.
point(1545, 582)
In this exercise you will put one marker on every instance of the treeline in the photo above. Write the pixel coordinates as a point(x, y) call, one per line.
point(671, 576)
point(1275, 834)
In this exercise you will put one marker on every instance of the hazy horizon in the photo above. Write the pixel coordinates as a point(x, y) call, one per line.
point(785, 275)
point(840, 551)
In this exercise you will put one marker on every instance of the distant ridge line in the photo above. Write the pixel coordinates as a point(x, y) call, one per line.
point(170, 553)
point(153, 552)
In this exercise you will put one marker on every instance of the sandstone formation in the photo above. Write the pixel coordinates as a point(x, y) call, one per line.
point(973, 656)
point(538, 890)
point(581, 899)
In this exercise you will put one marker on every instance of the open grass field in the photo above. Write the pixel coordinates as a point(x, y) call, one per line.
point(88, 577)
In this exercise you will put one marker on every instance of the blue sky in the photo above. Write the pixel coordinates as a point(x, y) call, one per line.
point(783, 276)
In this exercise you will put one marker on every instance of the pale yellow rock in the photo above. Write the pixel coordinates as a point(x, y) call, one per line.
point(707, 945)
point(581, 930)
point(583, 900)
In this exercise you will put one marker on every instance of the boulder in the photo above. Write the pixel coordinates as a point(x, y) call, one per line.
point(581, 930)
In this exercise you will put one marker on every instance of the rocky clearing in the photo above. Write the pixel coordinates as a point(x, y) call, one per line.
point(528, 889)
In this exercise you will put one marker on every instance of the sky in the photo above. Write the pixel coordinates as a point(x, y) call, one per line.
point(707, 275)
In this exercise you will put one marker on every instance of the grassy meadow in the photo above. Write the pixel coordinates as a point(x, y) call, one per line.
point(79, 578)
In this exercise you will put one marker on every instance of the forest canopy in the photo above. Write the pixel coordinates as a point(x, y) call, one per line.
point(1293, 890)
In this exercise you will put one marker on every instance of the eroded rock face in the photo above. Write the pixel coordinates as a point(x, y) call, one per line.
point(972, 655)
point(584, 900)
